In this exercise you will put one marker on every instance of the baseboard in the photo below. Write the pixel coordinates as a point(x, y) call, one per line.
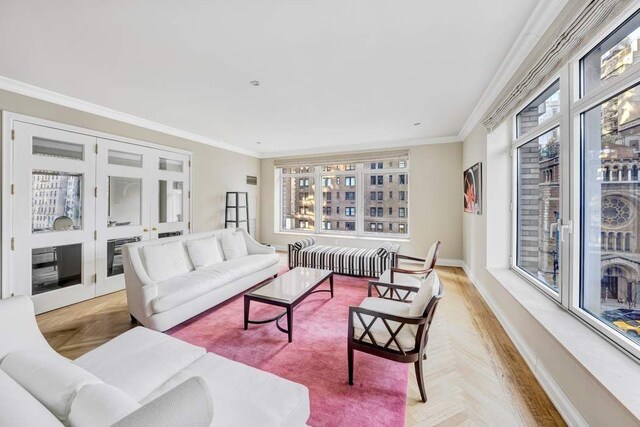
point(561, 401)
point(450, 262)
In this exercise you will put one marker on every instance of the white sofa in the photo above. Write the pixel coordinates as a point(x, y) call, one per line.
point(141, 378)
point(162, 293)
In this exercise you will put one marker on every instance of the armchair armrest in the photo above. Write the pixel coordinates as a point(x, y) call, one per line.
point(421, 272)
point(391, 290)
point(411, 258)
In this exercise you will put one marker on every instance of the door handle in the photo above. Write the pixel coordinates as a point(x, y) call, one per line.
point(146, 230)
point(154, 229)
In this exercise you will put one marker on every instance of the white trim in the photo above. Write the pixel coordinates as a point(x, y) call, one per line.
point(561, 401)
point(364, 146)
point(542, 17)
point(21, 88)
point(449, 262)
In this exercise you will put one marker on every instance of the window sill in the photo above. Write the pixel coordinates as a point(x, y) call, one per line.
point(345, 236)
point(615, 370)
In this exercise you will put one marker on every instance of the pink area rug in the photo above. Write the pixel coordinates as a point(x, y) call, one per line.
point(317, 357)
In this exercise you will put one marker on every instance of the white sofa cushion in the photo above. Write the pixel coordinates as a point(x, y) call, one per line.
point(204, 252)
point(246, 396)
point(188, 404)
point(429, 288)
point(406, 337)
point(49, 377)
point(139, 361)
point(234, 246)
point(165, 260)
point(186, 287)
point(100, 405)
point(19, 408)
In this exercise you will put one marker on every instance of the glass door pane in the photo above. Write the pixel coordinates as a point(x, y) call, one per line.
point(170, 201)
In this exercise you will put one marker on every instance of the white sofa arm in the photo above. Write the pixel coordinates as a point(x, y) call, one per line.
point(255, 248)
point(188, 404)
point(18, 327)
point(141, 290)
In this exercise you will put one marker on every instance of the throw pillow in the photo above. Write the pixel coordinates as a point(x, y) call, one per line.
point(234, 246)
point(165, 261)
point(204, 252)
point(100, 405)
point(49, 377)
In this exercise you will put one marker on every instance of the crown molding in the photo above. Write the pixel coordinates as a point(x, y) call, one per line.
point(364, 146)
point(538, 23)
point(36, 92)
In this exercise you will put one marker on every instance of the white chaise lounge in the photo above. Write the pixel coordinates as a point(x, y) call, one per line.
point(171, 280)
point(141, 378)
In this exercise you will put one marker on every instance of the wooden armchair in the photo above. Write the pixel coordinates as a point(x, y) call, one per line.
point(394, 329)
point(405, 277)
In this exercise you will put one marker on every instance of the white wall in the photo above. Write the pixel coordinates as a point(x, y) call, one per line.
point(560, 360)
point(435, 204)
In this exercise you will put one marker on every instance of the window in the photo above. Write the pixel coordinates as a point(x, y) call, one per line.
point(609, 272)
point(541, 109)
point(611, 58)
point(402, 195)
point(345, 187)
point(539, 210)
point(402, 228)
point(402, 179)
point(401, 212)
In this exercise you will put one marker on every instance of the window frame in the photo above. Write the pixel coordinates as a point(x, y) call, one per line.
point(573, 104)
point(362, 194)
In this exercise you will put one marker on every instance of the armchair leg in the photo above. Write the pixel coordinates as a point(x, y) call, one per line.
point(350, 358)
point(418, 365)
point(134, 321)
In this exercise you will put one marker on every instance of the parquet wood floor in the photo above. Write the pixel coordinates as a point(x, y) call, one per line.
point(474, 375)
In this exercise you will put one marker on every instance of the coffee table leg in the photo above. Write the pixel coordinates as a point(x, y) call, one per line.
point(290, 323)
point(247, 301)
point(331, 284)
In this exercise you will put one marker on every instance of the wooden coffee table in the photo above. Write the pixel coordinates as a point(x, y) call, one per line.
point(287, 290)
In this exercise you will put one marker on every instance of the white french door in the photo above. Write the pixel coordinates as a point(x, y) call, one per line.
point(75, 200)
point(53, 216)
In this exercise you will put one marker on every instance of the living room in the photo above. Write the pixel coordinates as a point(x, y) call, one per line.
point(320, 213)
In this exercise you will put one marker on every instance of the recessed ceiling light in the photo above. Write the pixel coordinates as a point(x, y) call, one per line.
point(417, 124)
point(258, 142)
point(254, 83)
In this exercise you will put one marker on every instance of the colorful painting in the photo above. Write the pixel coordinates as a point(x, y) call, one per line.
point(473, 189)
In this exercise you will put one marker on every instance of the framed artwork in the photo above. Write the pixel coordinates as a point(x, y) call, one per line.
point(473, 189)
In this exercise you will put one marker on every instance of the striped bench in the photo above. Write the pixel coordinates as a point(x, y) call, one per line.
point(343, 260)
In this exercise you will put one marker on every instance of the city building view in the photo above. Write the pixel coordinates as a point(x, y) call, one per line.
point(377, 191)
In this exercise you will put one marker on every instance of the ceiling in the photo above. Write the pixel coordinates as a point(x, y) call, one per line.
point(333, 74)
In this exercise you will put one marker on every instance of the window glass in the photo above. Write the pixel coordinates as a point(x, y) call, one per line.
point(538, 215)
point(125, 201)
point(613, 57)
point(609, 288)
point(170, 201)
point(51, 148)
point(55, 267)
point(122, 158)
point(541, 109)
point(115, 264)
point(298, 204)
point(380, 210)
point(170, 165)
point(56, 199)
